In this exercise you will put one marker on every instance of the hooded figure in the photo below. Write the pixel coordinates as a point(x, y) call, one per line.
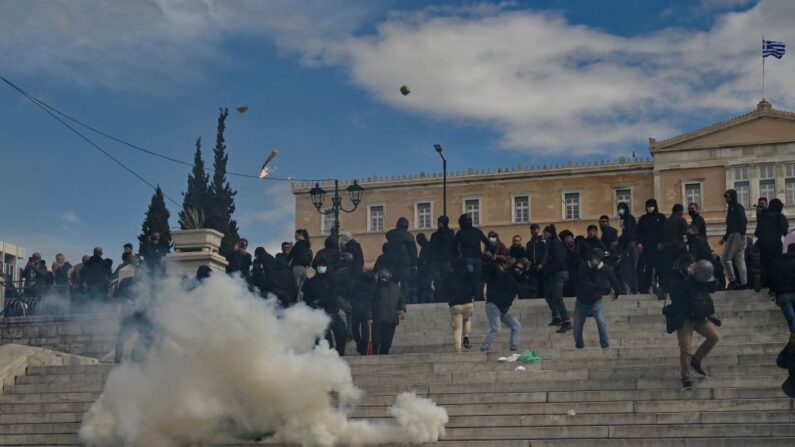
point(402, 255)
point(595, 280)
point(628, 271)
point(352, 247)
point(649, 240)
point(735, 243)
point(442, 255)
point(770, 228)
point(468, 241)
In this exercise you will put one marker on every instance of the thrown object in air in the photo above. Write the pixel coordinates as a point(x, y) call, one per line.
point(242, 109)
point(404, 90)
point(265, 170)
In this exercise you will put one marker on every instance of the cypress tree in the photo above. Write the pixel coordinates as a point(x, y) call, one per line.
point(156, 220)
point(221, 197)
point(196, 196)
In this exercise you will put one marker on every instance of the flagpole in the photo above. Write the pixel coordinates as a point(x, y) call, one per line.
point(763, 66)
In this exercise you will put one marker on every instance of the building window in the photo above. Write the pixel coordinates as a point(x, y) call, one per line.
point(693, 194)
point(521, 209)
point(624, 195)
point(742, 186)
point(375, 223)
point(472, 208)
point(767, 181)
point(326, 223)
point(789, 183)
point(423, 219)
point(571, 201)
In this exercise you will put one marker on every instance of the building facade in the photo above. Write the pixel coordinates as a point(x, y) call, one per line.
point(10, 257)
point(752, 153)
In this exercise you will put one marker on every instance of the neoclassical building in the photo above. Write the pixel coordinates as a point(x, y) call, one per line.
point(753, 153)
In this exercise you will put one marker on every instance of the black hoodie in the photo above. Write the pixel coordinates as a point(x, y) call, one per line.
point(331, 253)
point(442, 248)
point(772, 226)
point(650, 227)
point(628, 227)
point(502, 287)
point(402, 247)
point(557, 255)
point(735, 216)
point(469, 238)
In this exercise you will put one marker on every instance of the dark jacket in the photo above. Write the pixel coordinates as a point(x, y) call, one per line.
point(362, 296)
point(468, 240)
point(319, 294)
point(628, 227)
point(239, 261)
point(674, 230)
point(96, 271)
point(402, 245)
point(457, 286)
point(557, 256)
point(442, 245)
point(301, 254)
point(153, 254)
point(593, 283)
point(650, 228)
point(536, 251)
point(502, 287)
point(684, 288)
point(699, 222)
point(772, 226)
point(517, 252)
point(330, 252)
point(356, 264)
point(280, 281)
point(699, 248)
point(736, 220)
point(782, 274)
point(588, 245)
point(387, 301)
point(609, 235)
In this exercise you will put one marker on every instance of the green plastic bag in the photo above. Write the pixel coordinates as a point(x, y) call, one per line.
point(529, 357)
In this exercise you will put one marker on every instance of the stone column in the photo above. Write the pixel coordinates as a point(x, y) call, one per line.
point(193, 248)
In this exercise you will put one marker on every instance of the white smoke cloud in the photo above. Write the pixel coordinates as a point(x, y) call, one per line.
point(228, 365)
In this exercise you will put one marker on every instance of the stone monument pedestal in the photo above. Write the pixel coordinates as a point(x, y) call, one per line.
point(194, 248)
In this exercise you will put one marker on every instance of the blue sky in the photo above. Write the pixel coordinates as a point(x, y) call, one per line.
point(497, 84)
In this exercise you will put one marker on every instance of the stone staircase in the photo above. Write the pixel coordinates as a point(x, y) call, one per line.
point(627, 395)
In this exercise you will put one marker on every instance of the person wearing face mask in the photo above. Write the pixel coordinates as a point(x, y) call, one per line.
point(388, 308)
point(497, 250)
point(650, 238)
point(595, 280)
point(697, 220)
point(735, 243)
point(628, 271)
point(697, 246)
point(501, 292)
point(556, 267)
point(318, 293)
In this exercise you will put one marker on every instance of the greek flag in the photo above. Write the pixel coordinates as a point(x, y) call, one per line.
point(773, 48)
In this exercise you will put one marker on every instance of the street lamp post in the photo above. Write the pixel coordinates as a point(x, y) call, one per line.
point(355, 192)
point(438, 148)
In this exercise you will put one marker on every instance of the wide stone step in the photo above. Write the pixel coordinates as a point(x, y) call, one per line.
point(64, 407)
point(41, 418)
point(45, 398)
point(667, 442)
point(39, 429)
point(31, 440)
point(87, 379)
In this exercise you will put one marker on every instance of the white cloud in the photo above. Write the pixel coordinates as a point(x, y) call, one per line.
point(71, 217)
point(277, 214)
point(722, 5)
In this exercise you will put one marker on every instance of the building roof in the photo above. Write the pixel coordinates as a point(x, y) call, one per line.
point(764, 110)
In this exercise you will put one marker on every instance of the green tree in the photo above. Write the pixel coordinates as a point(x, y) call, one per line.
point(221, 197)
point(156, 220)
point(196, 197)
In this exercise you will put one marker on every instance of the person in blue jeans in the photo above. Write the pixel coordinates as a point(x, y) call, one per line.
point(595, 280)
point(556, 266)
point(500, 294)
point(782, 284)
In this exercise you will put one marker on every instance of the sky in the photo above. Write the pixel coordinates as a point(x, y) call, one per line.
point(496, 83)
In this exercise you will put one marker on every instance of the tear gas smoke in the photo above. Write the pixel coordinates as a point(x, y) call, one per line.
point(229, 365)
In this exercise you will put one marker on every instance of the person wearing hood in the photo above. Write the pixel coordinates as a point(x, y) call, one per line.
point(300, 258)
point(674, 247)
point(556, 267)
point(536, 253)
point(354, 249)
point(424, 292)
point(442, 254)
point(403, 255)
point(770, 229)
point(734, 242)
point(388, 308)
point(595, 280)
point(262, 265)
point(696, 219)
point(501, 293)
point(782, 284)
point(628, 271)
point(461, 301)
point(281, 283)
point(650, 239)
point(318, 293)
point(468, 242)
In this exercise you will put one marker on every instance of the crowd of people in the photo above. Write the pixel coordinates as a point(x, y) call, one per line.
point(667, 255)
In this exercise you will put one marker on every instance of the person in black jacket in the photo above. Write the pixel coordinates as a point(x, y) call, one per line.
point(556, 267)
point(536, 253)
point(362, 310)
point(442, 255)
point(388, 308)
point(628, 272)
point(153, 251)
point(468, 242)
point(770, 228)
point(424, 287)
point(697, 246)
point(239, 260)
point(96, 275)
point(501, 292)
point(300, 258)
point(590, 243)
point(650, 238)
point(262, 266)
point(782, 284)
point(735, 242)
point(595, 280)
point(460, 298)
point(609, 234)
point(690, 288)
point(280, 282)
point(697, 220)
point(403, 255)
point(352, 246)
point(674, 230)
point(517, 249)
point(319, 293)
point(572, 262)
